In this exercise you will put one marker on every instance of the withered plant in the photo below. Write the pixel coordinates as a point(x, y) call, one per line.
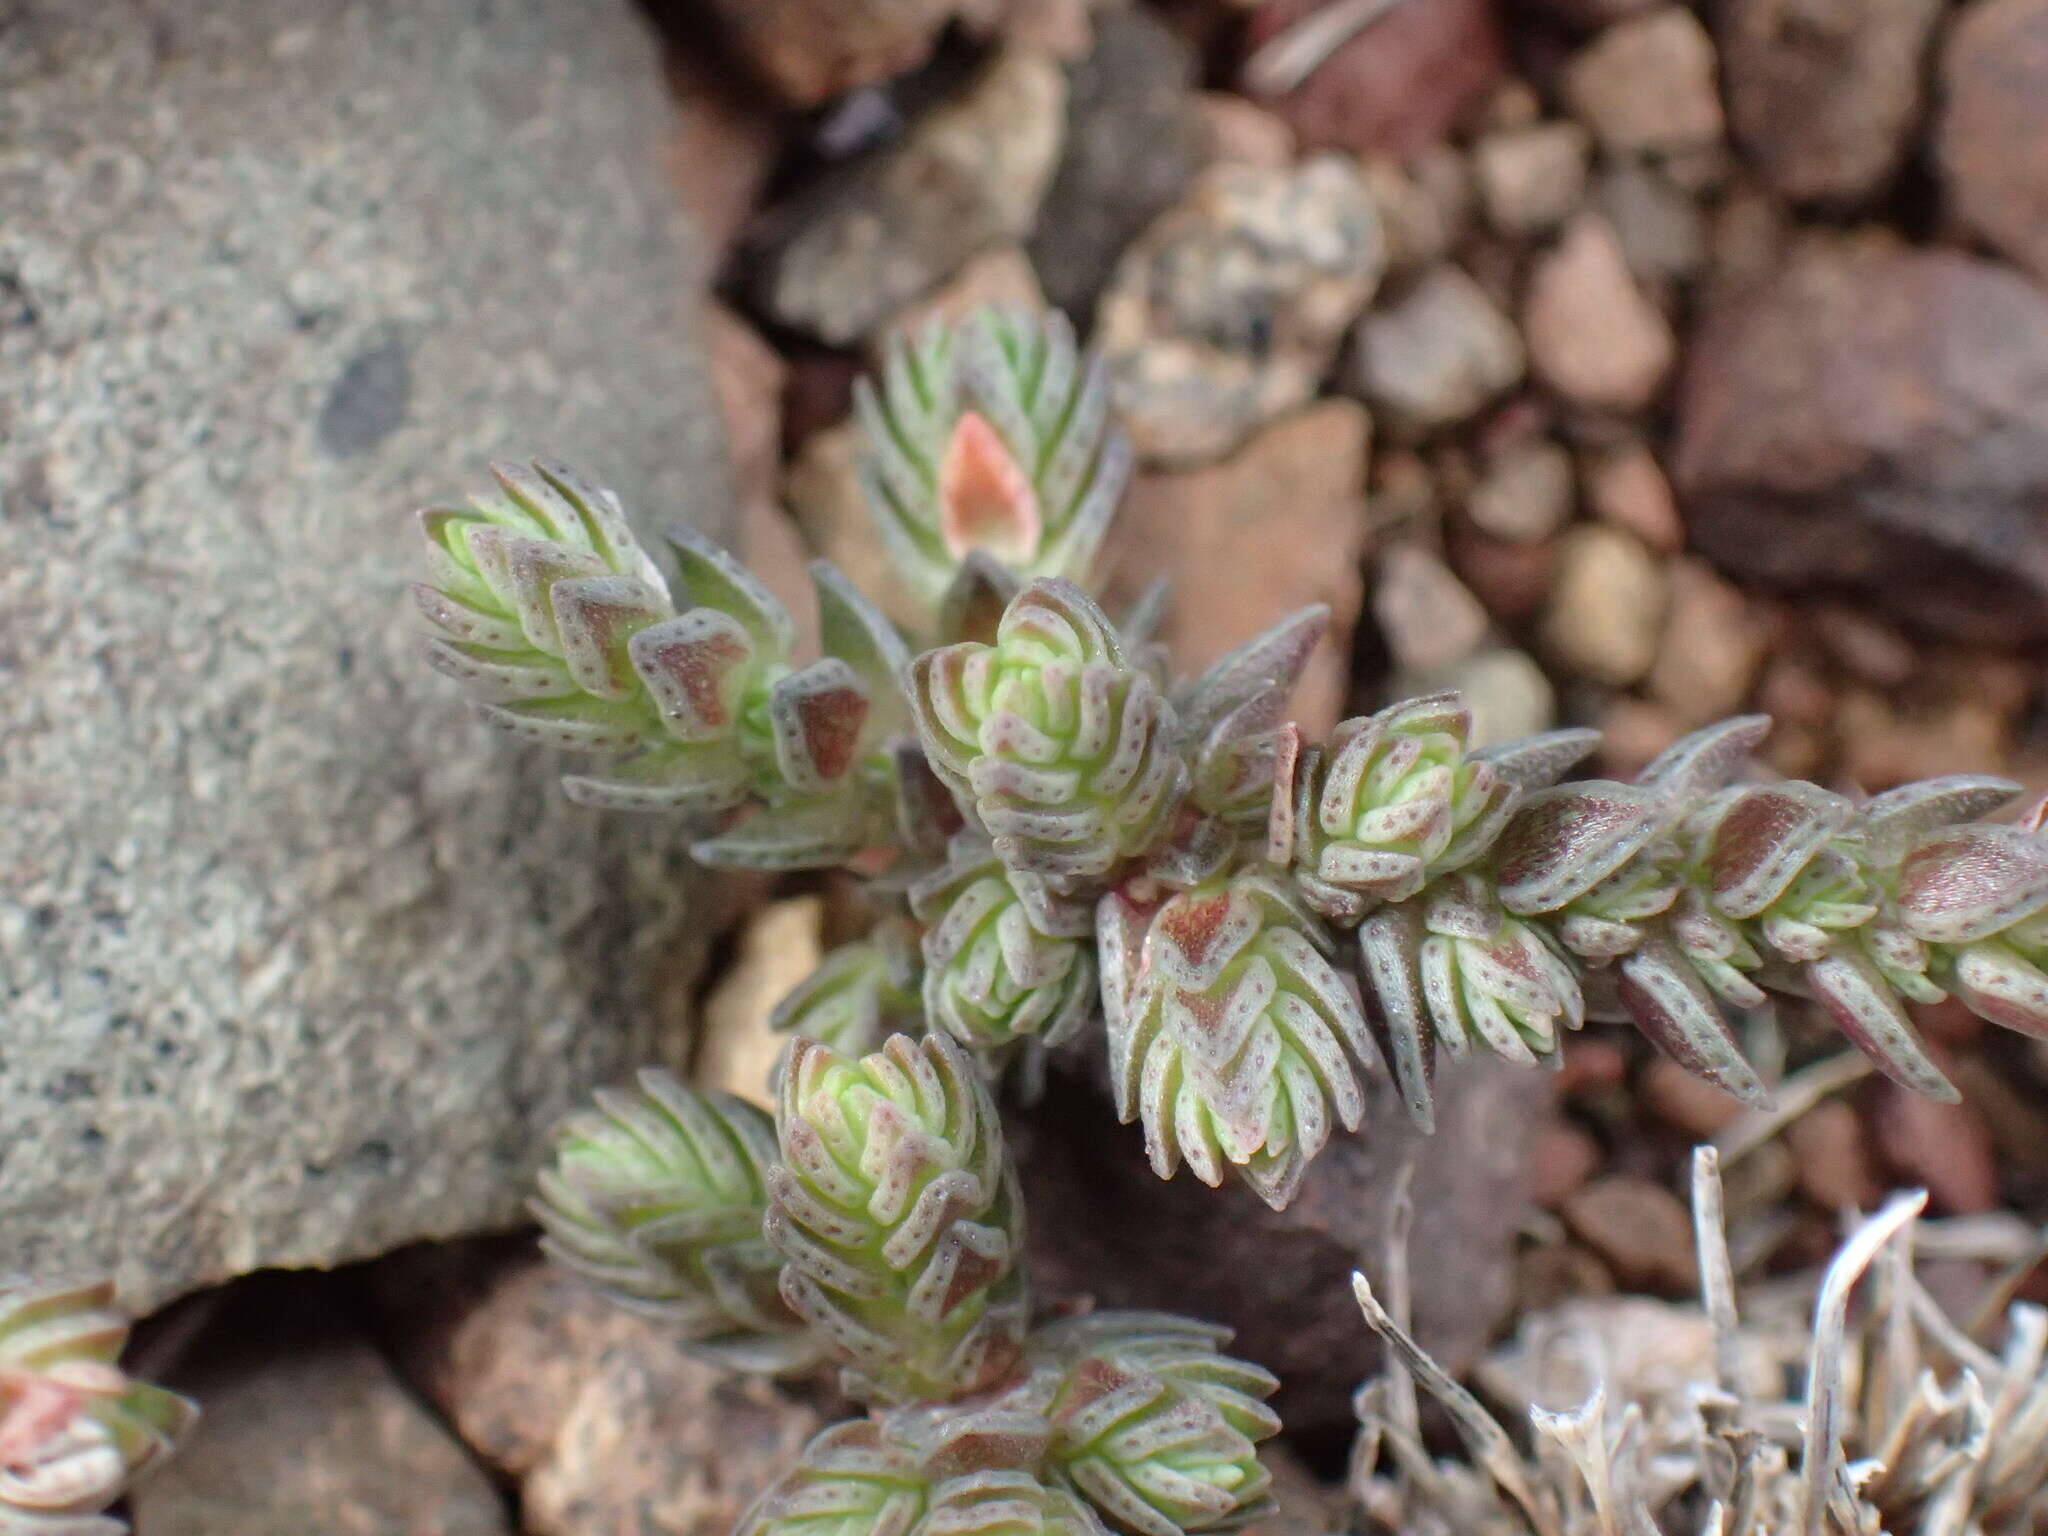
point(1901, 1420)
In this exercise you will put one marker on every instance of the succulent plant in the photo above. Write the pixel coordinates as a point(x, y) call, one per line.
point(992, 439)
point(75, 1429)
point(936, 1471)
point(1007, 1504)
point(548, 610)
point(1974, 899)
point(860, 994)
point(1701, 893)
point(1391, 803)
point(1489, 977)
point(1231, 1033)
point(1154, 1424)
point(1233, 722)
point(896, 1211)
point(1064, 749)
point(852, 1480)
point(1006, 958)
point(1269, 911)
point(1056, 829)
point(657, 1196)
point(894, 1223)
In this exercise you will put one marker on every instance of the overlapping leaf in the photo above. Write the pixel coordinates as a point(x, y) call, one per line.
point(993, 439)
point(1154, 1424)
point(1231, 1034)
point(896, 1212)
point(75, 1429)
point(1064, 750)
point(656, 1196)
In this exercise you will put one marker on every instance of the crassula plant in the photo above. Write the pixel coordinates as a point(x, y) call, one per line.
point(75, 1429)
point(1070, 843)
point(874, 1221)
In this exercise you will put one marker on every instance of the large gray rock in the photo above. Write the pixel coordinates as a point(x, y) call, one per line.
point(297, 960)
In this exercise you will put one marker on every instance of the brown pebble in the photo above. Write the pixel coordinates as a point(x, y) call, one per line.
point(1594, 336)
point(1944, 1148)
point(1633, 731)
point(1794, 690)
point(1796, 751)
point(1606, 610)
point(1691, 1103)
point(1627, 487)
point(2015, 1112)
point(1563, 1158)
point(1866, 645)
point(1809, 1242)
point(1640, 1228)
point(817, 393)
point(1235, 129)
point(1948, 1021)
point(1763, 1181)
point(1558, 1272)
point(1831, 1158)
point(1512, 580)
point(1714, 640)
point(1885, 742)
point(1590, 1065)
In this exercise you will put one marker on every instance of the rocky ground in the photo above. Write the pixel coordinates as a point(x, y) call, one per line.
point(1616, 362)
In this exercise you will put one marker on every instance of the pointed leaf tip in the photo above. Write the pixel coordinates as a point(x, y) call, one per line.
point(986, 500)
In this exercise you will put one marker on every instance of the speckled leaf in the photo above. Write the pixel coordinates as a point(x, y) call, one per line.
point(896, 1212)
point(974, 601)
point(1231, 1036)
point(991, 437)
point(1696, 765)
point(1536, 762)
point(697, 667)
point(1670, 1004)
point(805, 834)
point(75, 1428)
point(1064, 751)
point(1562, 842)
point(859, 994)
point(1012, 1503)
point(711, 578)
point(815, 717)
point(850, 1481)
point(1970, 882)
point(1893, 821)
point(1389, 968)
point(1154, 1424)
point(854, 631)
point(656, 1197)
point(1758, 839)
point(1865, 1008)
point(1005, 958)
point(2003, 985)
